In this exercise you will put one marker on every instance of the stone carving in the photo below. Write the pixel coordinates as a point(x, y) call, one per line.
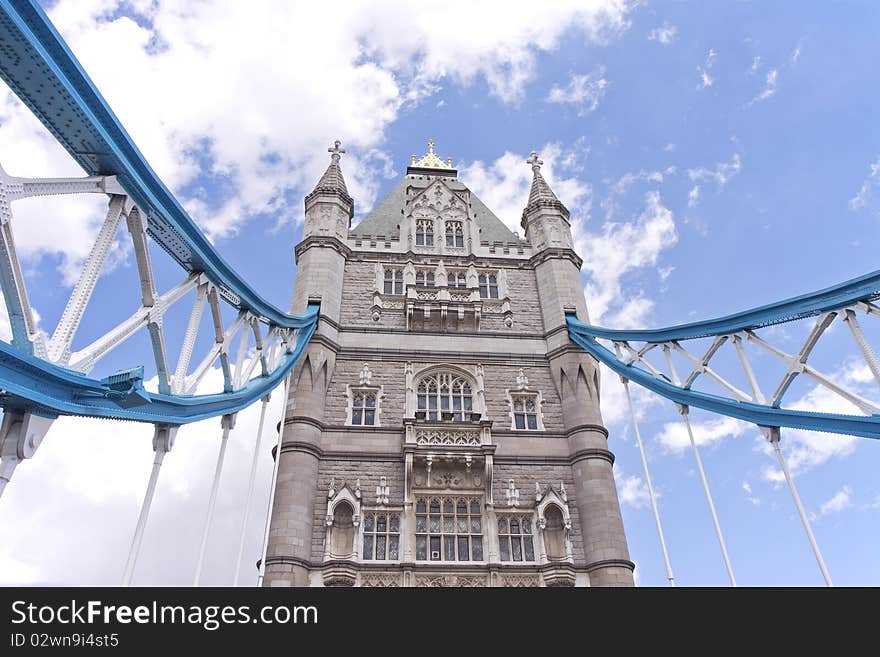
point(382, 491)
point(522, 581)
point(470, 581)
point(380, 580)
point(447, 437)
point(512, 493)
point(366, 375)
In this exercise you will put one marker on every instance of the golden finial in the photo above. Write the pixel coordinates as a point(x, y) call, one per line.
point(430, 160)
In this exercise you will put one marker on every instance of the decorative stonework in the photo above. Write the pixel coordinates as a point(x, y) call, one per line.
point(464, 581)
point(380, 580)
point(448, 475)
point(340, 573)
point(520, 581)
point(443, 437)
point(512, 493)
point(382, 491)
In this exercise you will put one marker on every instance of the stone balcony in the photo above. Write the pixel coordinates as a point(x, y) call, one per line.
point(442, 308)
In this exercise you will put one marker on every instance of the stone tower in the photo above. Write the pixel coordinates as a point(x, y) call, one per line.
point(441, 429)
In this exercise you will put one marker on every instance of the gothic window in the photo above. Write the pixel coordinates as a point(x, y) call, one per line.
point(342, 531)
point(449, 529)
point(515, 538)
point(454, 233)
point(488, 286)
point(525, 412)
point(445, 396)
point(393, 281)
point(425, 232)
point(457, 279)
point(554, 534)
point(425, 278)
point(381, 536)
point(363, 408)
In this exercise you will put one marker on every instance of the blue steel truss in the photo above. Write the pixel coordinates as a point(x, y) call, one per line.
point(29, 383)
point(39, 67)
point(838, 297)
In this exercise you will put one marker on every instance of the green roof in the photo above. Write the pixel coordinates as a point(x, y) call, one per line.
point(385, 218)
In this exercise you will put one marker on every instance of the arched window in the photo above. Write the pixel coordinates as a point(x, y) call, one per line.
point(488, 286)
point(457, 279)
point(424, 232)
point(554, 534)
point(445, 396)
point(363, 409)
point(525, 412)
point(425, 278)
point(342, 531)
point(454, 233)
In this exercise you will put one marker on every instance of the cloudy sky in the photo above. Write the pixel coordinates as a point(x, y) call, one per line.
point(715, 156)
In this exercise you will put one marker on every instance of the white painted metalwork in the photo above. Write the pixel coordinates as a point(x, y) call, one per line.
point(632, 413)
point(772, 435)
point(277, 460)
point(687, 422)
point(264, 403)
point(795, 364)
point(227, 422)
point(163, 441)
point(258, 343)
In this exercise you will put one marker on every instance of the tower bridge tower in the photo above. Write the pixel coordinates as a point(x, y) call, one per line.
point(441, 429)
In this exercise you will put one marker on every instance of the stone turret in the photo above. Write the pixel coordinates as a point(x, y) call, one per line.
point(329, 207)
point(547, 224)
point(320, 266)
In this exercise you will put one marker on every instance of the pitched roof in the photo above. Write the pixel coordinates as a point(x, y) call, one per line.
point(386, 216)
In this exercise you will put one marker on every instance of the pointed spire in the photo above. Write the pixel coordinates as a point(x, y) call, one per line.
point(332, 182)
point(540, 193)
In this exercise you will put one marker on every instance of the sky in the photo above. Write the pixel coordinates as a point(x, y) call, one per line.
point(714, 156)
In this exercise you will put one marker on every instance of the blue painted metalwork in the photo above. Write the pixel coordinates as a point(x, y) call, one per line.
point(28, 383)
point(863, 288)
point(39, 67)
point(584, 335)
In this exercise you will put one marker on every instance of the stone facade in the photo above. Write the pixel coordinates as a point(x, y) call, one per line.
point(441, 419)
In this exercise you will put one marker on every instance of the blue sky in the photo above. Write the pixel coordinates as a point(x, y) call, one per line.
point(715, 156)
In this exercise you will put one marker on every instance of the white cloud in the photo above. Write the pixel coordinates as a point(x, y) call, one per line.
point(770, 82)
point(796, 53)
point(503, 185)
point(618, 249)
point(841, 500)
point(583, 90)
point(805, 450)
point(706, 80)
point(755, 500)
point(665, 34)
point(869, 189)
point(674, 436)
point(720, 175)
point(626, 182)
point(632, 490)
point(257, 122)
point(75, 504)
